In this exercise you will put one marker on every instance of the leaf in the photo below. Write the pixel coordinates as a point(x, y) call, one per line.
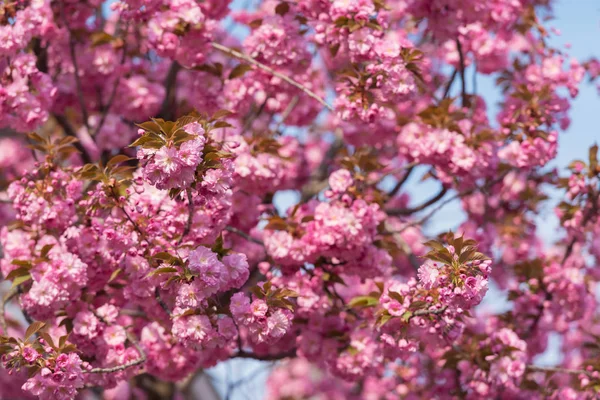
point(255, 23)
point(150, 126)
point(48, 339)
point(363, 301)
point(240, 70)
point(406, 316)
point(100, 38)
point(333, 50)
point(34, 328)
point(276, 224)
point(21, 279)
point(221, 114)
point(415, 305)
point(45, 250)
point(396, 296)
point(118, 159)
point(16, 273)
point(115, 273)
point(22, 263)
point(163, 270)
point(281, 293)
point(282, 9)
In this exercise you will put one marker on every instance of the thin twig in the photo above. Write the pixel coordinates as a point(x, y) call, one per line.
point(163, 305)
point(450, 82)
point(242, 56)
point(3, 300)
point(113, 92)
point(188, 225)
point(535, 368)
point(420, 313)
point(286, 113)
point(459, 195)
point(244, 235)
point(140, 360)
point(412, 210)
point(401, 182)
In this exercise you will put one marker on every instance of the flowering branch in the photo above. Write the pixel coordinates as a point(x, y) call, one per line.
point(140, 360)
point(242, 56)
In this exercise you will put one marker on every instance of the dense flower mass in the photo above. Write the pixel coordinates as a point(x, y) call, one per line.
point(183, 183)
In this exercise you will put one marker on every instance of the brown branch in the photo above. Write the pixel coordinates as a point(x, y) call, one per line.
point(286, 113)
point(166, 110)
point(163, 305)
point(463, 82)
point(78, 85)
point(140, 360)
point(266, 357)
point(188, 225)
point(420, 313)
point(244, 235)
point(449, 84)
point(3, 300)
point(412, 210)
point(242, 56)
point(113, 92)
point(401, 182)
point(535, 368)
point(449, 200)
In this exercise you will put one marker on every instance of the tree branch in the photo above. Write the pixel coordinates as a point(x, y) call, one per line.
point(463, 82)
point(166, 110)
point(3, 300)
point(78, 85)
point(244, 235)
point(412, 210)
point(266, 357)
point(535, 368)
point(401, 182)
point(242, 56)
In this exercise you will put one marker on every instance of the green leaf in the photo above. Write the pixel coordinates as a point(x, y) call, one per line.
point(21, 279)
point(406, 316)
point(363, 301)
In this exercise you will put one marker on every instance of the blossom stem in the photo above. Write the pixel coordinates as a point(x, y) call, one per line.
point(242, 56)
